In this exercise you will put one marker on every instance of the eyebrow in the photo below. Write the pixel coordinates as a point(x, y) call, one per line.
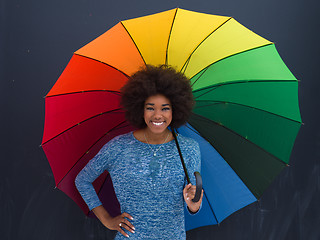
point(163, 105)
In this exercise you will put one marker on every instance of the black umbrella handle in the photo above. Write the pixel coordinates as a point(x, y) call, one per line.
point(198, 187)
point(196, 174)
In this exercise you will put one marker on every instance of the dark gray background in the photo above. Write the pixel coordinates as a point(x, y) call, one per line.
point(38, 38)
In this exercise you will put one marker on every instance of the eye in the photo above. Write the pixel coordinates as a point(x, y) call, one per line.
point(149, 108)
point(166, 109)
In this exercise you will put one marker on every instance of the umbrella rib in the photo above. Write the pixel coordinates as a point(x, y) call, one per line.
point(210, 89)
point(174, 17)
point(86, 91)
point(115, 110)
point(134, 43)
point(186, 63)
point(251, 49)
point(200, 76)
point(211, 208)
point(230, 130)
point(239, 104)
point(102, 63)
point(215, 86)
point(114, 128)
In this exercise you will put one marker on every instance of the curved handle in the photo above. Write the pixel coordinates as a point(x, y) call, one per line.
point(198, 187)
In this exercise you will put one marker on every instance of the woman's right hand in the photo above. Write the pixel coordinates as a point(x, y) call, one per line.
point(121, 222)
point(118, 223)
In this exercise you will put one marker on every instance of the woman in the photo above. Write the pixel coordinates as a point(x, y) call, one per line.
point(144, 165)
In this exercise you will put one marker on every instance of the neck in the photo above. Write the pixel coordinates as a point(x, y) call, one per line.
point(157, 138)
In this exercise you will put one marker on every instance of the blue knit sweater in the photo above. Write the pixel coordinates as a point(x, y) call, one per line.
point(148, 187)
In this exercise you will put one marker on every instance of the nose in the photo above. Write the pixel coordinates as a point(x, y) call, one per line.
point(157, 114)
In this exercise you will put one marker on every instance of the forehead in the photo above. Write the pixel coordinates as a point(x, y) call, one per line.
point(158, 99)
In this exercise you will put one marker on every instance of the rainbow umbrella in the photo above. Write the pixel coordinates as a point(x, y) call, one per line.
point(246, 116)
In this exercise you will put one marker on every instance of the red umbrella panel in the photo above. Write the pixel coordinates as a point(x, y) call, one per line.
point(78, 124)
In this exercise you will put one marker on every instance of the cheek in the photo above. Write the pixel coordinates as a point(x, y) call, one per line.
point(146, 116)
point(170, 116)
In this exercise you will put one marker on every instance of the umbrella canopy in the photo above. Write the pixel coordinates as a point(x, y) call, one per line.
point(246, 116)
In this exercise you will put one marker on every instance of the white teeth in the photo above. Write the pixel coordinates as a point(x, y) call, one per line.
point(157, 123)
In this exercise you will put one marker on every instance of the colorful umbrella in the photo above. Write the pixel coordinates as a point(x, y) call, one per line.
point(246, 116)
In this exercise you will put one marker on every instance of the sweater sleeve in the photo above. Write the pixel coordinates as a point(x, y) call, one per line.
point(94, 168)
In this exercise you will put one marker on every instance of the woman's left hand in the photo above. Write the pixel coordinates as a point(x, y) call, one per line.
point(188, 193)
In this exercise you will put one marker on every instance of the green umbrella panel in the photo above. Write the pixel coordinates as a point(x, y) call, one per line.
point(247, 108)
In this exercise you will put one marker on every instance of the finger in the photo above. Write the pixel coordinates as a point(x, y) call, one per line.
point(186, 188)
point(188, 197)
point(191, 195)
point(125, 226)
point(193, 189)
point(130, 226)
point(122, 232)
point(127, 215)
point(190, 191)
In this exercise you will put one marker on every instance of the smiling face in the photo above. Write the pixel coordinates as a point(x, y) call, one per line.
point(157, 113)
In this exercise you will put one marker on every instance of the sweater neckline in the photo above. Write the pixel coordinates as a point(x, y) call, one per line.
point(134, 138)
